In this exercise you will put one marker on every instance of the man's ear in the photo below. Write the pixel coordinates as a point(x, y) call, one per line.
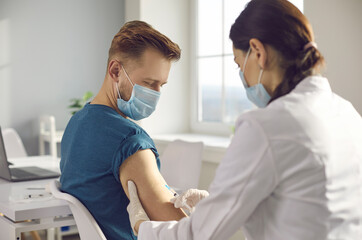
point(259, 49)
point(114, 69)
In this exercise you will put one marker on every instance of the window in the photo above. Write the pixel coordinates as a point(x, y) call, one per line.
point(218, 89)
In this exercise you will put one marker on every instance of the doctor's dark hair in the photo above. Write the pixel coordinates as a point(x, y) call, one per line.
point(135, 37)
point(279, 24)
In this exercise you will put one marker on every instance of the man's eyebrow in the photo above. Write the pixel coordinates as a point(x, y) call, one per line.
point(152, 79)
point(155, 80)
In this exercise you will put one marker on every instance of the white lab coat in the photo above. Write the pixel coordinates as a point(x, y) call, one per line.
point(292, 171)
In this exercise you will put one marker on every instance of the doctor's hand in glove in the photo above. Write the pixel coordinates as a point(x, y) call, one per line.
point(137, 214)
point(189, 199)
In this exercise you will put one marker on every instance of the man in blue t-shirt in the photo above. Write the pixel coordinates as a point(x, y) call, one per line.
point(102, 148)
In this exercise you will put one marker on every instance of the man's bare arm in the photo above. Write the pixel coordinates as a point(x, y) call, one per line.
point(142, 169)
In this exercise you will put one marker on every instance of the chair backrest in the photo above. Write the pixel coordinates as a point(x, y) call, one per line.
point(181, 164)
point(87, 226)
point(14, 147)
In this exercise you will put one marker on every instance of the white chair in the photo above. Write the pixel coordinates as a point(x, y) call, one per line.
point(14, 147)
point(87, 227)
point(48, 133)
point(181, 164)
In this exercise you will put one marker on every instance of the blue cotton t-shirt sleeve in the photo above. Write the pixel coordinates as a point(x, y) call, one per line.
point(130, 146)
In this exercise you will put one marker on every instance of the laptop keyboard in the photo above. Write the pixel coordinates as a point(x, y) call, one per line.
point(19, 173)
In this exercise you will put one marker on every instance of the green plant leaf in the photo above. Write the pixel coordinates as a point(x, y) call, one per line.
point(78, 103)
point(87, 96)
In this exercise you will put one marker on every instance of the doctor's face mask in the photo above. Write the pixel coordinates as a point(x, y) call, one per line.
point(142, 103)
point(257, 93)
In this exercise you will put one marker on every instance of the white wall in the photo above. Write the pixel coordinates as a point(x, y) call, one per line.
point(172, 114)
point(51, 51)
point(338, 30)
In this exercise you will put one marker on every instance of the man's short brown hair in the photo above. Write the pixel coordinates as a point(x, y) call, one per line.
point(135, 37)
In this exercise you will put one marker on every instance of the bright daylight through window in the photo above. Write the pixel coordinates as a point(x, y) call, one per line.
point(221, 96)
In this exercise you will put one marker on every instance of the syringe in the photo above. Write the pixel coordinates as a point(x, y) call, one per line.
point(175, 194)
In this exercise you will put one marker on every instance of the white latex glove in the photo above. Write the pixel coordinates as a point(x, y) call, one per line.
point(189, 199)
point(134, 208)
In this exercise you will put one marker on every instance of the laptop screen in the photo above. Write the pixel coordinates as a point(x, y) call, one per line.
point(4, 165)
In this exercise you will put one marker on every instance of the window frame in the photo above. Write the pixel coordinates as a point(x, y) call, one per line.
point(215, 128)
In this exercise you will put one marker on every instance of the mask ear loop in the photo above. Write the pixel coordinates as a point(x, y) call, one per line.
point(260, 73)
point(124, 70)
point(246, 59)
point(119, 95)
point(244, 65)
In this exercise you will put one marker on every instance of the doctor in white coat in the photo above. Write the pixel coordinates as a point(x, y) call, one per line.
point(294, 167)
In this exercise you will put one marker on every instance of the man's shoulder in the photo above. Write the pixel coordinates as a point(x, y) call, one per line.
point(101, 121)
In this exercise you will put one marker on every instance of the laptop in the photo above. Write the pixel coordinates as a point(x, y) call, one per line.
point(17, 174)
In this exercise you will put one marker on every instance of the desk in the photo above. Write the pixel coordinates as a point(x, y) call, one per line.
point(44, 214)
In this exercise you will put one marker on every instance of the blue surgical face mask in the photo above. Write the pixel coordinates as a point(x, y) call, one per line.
point(142, 103)
point(257, 93)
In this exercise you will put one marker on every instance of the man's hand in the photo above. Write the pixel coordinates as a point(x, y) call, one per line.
point(136, 213)
point(189, 198)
